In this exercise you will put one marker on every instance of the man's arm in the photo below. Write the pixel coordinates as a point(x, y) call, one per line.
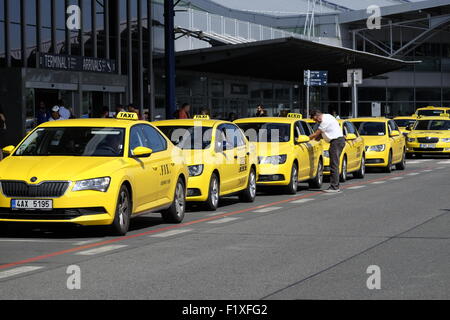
point(316, 136)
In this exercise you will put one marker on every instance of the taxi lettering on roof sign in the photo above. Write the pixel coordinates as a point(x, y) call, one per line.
point(127, 116)
point(201, 117)
point(295, 115)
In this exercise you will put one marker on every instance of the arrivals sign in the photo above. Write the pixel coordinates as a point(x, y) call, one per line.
point(315, 78)
point(76, 63)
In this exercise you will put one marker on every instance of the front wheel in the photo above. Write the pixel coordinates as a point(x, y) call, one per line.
point(177, 211)
point(344, 171)
point(292, 188)
point(317, 182)
point(249, 194)
point(402, 164)
point(362, 170)
point(212, 204)
point(388, 169)
point(121, 223)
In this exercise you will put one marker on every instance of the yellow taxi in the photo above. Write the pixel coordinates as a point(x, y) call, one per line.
point(405, 123)
point(432, 111)
point(88, 172)
point(353, 159)
point(286, 156)
point(429, 135)
point(219, 157)
point(385, 145)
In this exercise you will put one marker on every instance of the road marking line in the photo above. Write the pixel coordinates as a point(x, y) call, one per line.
point(413, 174)
point(171, 233)
point(397, 178)
point(224, 220)
point(356, 187)
point(17, 271)
point(444, 162)
point(427, 171)
point(378, 182)
point(82, 243)
point(269, 209)
point(440, 168)
point(100, 250)
point(215, 214)
point(302, 201)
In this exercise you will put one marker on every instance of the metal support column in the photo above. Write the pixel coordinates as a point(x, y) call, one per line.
point(94, 27)
point(118, 38)
point(354, 96)
point(67, 31)
point(7, 34)
point(140, 59)
point(129, 53)
point(169, 17)
point(151, 75)
point(38, 28)
point(53, 14)
point(107, 26)
point(23, 32)
point(82, 49)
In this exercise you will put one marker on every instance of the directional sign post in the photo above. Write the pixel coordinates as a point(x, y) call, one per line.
point(313, 79)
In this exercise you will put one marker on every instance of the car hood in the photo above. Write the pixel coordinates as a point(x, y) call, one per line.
point(264, 149)
point(375, 140)
point(424, 133)
point(58, 168)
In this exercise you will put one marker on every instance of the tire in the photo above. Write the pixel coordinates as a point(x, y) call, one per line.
point(249, 194)
point(388, 169)
point(121, 223)
point(344, 171)
point(361, 173)
point(402, 164)
point(292, 188)
point(177, 211)
point(317, 182)
point(212, 204)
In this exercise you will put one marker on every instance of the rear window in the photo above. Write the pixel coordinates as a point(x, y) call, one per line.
point(433, 125)
point(430, 113)
point(404, 122)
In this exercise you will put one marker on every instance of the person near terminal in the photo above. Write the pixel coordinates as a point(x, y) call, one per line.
point(55, 115)
point(63, 111)
point(184, 112)
point(330, 130)
point(42, 114)
point(105, 113)
point(261, 111)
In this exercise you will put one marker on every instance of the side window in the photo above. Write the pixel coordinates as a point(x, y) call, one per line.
point(350, 128)
point(241, 140)
point(153, 139)
point(306, 128)
point(136, 139)
point(231, 135)
point(298, 130)
point(393, 125)
point(220, 138)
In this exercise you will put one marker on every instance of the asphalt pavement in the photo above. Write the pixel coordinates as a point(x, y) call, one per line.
point(308, 246)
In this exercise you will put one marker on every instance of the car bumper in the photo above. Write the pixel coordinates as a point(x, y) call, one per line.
point(87, 208)
point(377, 159)
point(440, 148)
point(198, 188)
point(274, 175)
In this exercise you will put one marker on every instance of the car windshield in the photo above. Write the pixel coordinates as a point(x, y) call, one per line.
point(433, 125)
point(189, 137)
point(267, 132)
point(404, 122)
point(371, 128)
point(430, 113)
point(74, 141)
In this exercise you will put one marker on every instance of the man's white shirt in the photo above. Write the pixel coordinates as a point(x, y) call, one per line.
point(330, 128)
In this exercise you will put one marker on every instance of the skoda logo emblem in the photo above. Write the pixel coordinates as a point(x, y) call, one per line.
point(34, 179)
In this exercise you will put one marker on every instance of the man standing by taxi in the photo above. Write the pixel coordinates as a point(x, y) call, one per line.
point(331, 132)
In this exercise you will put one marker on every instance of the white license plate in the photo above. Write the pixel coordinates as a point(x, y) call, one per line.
point(31, 204)
point(428, 146)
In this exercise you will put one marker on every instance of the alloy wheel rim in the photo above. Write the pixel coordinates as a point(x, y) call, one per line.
point(294, 178)
point(344, 169)
point(215, 193)
point(123, 207)
point(179, 200)
point(363, 166)
point(252, 184)
point(320, 173)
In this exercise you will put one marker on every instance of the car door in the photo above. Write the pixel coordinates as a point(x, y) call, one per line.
point(226, 160)
point(350, 146)
point(243, 154)
point(314, 149)
point(143, 173)
point(302, 152)
point(397, 147)
point(162, 160)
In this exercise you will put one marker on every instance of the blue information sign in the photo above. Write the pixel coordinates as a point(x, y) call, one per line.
point(315, 78)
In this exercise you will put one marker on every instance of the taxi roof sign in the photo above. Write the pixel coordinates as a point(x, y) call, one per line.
point(295, 115)
point(127, 116)
point(202, 117)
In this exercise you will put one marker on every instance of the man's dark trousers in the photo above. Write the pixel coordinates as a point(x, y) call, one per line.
point(336, 148)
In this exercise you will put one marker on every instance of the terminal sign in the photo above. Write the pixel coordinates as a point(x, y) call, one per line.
point(315, 78)
point(76, 63)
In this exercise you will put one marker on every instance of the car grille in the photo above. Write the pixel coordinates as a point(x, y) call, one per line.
point(428, 140)
point(429, 149)
point(54, 214)
point(21, 189)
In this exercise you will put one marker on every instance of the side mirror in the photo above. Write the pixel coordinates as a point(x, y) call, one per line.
point(302, 139)
point(8, 150)
point(351, 136)
point(409, 127)
point(142, 152)
point(395, 133)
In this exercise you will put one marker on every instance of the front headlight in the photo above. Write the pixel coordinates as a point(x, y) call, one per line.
point(326, 153)
point(411, 139)
point(378, 148)
point(446, 140)
point(197, 170)
point(275, 160)
point(98, 184)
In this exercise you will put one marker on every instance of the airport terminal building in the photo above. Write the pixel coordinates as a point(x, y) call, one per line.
point(231, 56)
